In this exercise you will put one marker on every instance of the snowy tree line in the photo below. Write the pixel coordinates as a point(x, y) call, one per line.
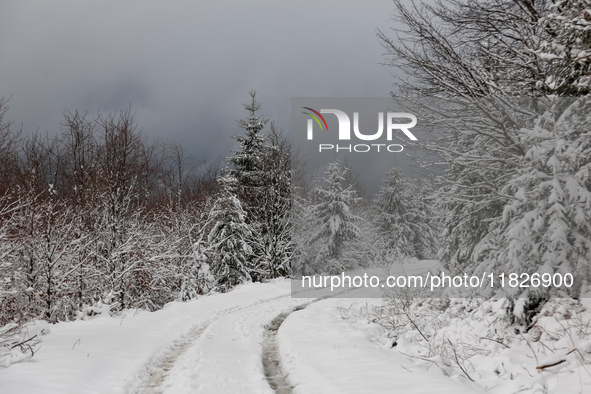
point(100, 215)
point(501, 87)
point(337, 228)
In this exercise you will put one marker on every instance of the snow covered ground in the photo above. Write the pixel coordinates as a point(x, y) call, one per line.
point(336, 356)
point(214, 344)
point(115, 354)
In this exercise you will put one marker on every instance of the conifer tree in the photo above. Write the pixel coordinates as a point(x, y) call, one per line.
point(405, 221)
point(546, 225)
point(261, 170)
point(273, 228)
point(335, 221)
point(228, 237)
point(246, 163)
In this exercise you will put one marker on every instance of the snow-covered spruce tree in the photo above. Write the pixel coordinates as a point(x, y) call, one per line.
point(456, 50)
point(426, 240)
point(272, 230)
point(261, 170)
point(335, 223)
point(246, 163)
point(362, 251)
point(228, 237)
point(546, 225)
point(404, 220)
point(301, 219)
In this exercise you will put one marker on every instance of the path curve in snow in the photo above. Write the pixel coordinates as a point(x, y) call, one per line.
point(227, 356)
point(157, 372)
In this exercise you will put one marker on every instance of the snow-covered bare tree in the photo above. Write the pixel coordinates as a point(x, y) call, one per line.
point(468, 48)
point(185, 252)
point(80, 151)
point(53, 243)
point(9, 143)
point(13, 300)
point(120, 245)
point(122, 238)
point(567, 48)
point(95, 214)
point(457, 50)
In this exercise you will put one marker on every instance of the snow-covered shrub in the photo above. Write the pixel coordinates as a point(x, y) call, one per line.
point(20, 342)
point(472, 339)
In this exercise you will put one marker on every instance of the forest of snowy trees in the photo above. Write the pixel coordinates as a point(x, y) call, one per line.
point(336, 229)
point(501, 90)
point(100, 215)
point(515, 194)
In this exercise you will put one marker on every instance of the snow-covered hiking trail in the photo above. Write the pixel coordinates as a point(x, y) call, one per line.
point(255, 339)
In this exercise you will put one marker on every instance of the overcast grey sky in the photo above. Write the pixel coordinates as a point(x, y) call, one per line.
point(186, 66)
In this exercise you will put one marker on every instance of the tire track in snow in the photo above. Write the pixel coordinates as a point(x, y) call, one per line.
point(274, 372)
point(276, 376)
point(158, 370)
